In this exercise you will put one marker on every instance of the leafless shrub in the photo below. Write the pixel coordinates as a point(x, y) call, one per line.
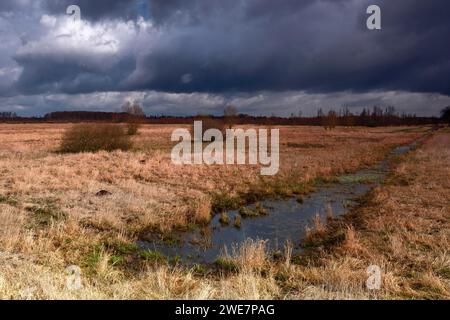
point(133, 108)
point(94, 137)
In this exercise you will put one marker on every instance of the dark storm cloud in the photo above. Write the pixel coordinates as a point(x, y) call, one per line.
point(13, 5)
point(69, 75)
point(96, 9)
point(196, 11)
point(248, 46)
point(285, 45)
point(416, 53)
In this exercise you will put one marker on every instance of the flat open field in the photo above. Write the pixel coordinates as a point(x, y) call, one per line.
point(52, 217)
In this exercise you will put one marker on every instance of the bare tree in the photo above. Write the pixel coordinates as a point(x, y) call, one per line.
point(230, 112)
point(136, 115)
point(330, 120)
point(133, 108)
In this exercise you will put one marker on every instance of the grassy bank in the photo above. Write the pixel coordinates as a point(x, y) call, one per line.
point(402, 227)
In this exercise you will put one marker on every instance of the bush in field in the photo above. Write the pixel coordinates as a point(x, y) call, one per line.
point(95, 137)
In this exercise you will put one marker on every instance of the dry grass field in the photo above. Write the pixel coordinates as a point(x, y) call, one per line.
point(53, 217)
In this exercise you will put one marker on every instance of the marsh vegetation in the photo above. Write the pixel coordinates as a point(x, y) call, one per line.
point(53, 218)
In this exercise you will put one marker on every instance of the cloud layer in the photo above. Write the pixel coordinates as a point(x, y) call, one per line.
point(225, 48)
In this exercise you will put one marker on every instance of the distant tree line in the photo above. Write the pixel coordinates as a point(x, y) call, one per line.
point(8, 115)
point(131, 112)
point(374, 117)
point(81, 116)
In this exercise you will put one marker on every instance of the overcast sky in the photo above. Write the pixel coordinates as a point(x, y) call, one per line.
point(181, 57)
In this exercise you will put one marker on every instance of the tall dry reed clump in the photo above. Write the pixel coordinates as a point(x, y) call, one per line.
point(133, 128)
point(134, 123)
point(95, 137)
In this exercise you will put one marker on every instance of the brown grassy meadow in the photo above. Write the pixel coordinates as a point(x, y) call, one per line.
point(52, 217)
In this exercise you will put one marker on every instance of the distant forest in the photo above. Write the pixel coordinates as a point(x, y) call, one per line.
point(371, 117)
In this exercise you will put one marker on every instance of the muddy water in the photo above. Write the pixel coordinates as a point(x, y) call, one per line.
point(286, 220)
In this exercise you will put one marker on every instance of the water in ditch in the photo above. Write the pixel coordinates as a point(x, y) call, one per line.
point(285, 220)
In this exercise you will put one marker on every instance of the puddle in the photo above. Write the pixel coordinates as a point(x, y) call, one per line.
point(286, 220)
